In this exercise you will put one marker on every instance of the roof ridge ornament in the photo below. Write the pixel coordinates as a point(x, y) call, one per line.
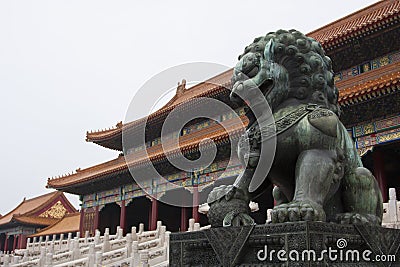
point(180, 89)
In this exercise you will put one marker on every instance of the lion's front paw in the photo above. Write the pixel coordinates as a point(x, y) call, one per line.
point(356, 218)
point(298, 211)
point(228, 207)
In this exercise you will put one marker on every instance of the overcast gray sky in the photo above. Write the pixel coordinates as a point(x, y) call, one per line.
point(71, 66)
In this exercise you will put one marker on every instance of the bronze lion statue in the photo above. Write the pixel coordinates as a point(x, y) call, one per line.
point(317, 173)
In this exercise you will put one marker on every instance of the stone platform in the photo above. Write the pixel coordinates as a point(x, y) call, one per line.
point(287, 244)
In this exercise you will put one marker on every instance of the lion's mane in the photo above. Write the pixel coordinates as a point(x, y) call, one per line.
point(311, 78)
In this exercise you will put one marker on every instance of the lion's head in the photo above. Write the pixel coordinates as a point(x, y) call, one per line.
point(286, 65)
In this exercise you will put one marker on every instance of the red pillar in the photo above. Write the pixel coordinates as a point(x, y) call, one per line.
point(19, 241)
point(149, 218)
point(184, 221)
point(14, 242)
point(195, 211)
point(154, 214)
point(6, 244)
point(122, 215)
point(379, 173)
point(96, 219)
point(22, 243)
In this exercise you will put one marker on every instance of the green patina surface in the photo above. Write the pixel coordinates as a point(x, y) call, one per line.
point(317, 173)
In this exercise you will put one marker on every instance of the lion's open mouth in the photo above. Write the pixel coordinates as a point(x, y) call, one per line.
point(240, 93)
point(253, 72)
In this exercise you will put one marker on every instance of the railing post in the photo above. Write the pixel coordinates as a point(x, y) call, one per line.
point(33, 244)
point(99, 258)
point(144, 258)
point(69, 241)
point(167, 234)
point(60, 244)
point(91, 255)
point(392, 206)
point(28, 245)
point(86, 236)
point(6, 258)
point(135, 259)
point(75, 251)
point(15, 259)
point(141, 228)
point(120, 232)
point(116, 232)
point(42, 258)
point(47, 240)
point(106, 241)
point(51, 247)
point(163, 229)
point(26, 256)
point(128, 244)
point(96, 237)
point(49, 260)
point(134, 234)
point(159, 224)
point(191, 225)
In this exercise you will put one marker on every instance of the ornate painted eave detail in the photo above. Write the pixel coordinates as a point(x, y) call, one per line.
point(370, 134)
point(372, 84)
point(368, 19)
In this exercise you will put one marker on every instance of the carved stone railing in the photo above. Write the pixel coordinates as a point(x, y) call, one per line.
point(137, 248)
point(142, 248)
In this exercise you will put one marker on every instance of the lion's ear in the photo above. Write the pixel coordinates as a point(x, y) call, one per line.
point(269, 50)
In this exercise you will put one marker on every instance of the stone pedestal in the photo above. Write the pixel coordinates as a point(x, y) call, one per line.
point(287, 244)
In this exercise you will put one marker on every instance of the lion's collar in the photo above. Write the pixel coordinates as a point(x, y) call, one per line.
point(265, 132)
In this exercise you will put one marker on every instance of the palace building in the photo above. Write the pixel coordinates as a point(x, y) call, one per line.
point(30, 216)
point(365, 51)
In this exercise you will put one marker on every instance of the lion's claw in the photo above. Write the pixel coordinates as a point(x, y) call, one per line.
point(356, 218)
point(297, 211)
point(237, 219)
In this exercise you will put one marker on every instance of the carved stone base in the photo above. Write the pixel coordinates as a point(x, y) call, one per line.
point(287, 244)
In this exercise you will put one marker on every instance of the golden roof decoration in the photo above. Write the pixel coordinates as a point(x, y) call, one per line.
point(56, 211)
